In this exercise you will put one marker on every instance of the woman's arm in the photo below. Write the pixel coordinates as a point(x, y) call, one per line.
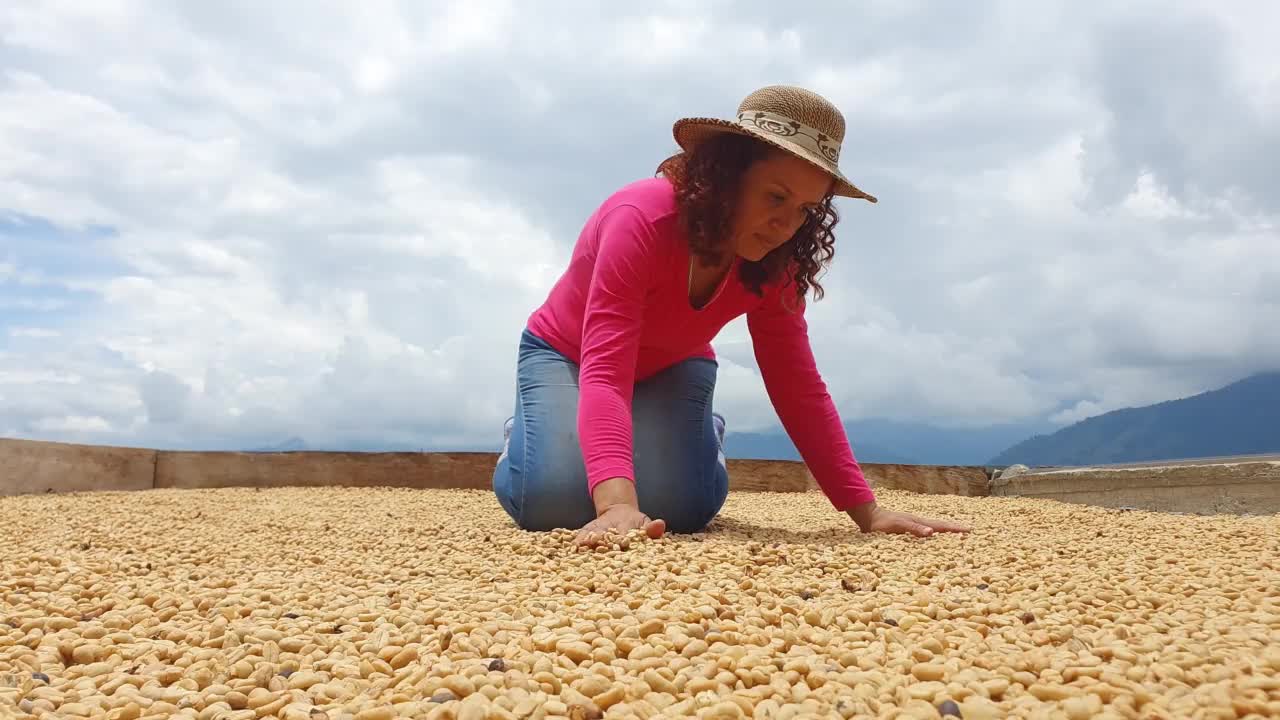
point(615, 304)
point(780, 337)
point(620, 285)
point(799, 394)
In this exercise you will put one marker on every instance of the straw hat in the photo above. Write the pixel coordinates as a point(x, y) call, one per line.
point(791, 118)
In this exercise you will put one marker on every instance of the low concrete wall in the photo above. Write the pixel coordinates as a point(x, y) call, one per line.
point(29, 466)
point(1247, 486)
point(38, 466)
point(930, 479)
point(313, 469)
point(463, 470)
point(790, 476)
point(768, 476)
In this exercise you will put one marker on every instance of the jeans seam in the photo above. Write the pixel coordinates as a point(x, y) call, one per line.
point(706, 472)
point(531, 347)
point(524, 463)
point(526, 446)
point(702, 469)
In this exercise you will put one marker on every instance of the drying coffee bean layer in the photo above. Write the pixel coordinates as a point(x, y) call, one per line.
point(393, 603)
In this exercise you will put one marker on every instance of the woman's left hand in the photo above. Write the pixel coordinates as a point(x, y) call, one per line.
point(878, 519)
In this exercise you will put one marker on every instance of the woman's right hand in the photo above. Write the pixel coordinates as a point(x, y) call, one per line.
point(618, 509)
point(620, 519)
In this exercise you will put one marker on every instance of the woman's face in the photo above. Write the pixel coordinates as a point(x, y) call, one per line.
point(776, 197)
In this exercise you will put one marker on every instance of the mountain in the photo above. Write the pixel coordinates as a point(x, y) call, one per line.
point(891, 441)
point(874, 441)
point(1239, 419)
point(353, 445)
point(925, 444)
point(293, 444)
point(777, 446)
point(1242, 418)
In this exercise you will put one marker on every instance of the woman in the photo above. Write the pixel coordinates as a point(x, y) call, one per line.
point(613, 427)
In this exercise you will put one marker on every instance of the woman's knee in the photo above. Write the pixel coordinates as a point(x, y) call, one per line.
point(678, 474)
point(686, 520)
point(554, 500)
point(673, 427)
point(542, 483)
point(686, 501)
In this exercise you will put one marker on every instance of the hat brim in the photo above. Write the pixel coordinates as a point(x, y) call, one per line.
point(689, 132)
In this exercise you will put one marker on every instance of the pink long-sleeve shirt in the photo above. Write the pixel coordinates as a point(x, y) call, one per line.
point(621, 311)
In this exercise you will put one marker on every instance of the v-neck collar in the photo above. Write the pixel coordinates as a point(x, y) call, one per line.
point(720, 286)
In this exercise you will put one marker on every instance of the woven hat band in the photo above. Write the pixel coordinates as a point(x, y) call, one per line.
point(810, 138)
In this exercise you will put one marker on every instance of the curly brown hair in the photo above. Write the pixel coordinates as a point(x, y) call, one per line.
point(706, 182)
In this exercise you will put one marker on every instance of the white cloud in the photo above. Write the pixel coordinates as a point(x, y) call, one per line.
point(1151, 202)
point(280, 220)
point(72, 424)
point(32, 332)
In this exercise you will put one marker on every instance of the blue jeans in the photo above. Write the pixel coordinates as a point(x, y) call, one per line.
point(541, 480)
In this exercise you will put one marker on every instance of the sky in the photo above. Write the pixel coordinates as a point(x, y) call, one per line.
point(229, 224)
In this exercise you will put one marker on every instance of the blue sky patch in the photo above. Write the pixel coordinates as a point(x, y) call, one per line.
point(42, 270)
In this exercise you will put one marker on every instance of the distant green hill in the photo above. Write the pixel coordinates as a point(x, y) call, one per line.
point(777, 446)
point(879, 440)
point(1242, 418)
